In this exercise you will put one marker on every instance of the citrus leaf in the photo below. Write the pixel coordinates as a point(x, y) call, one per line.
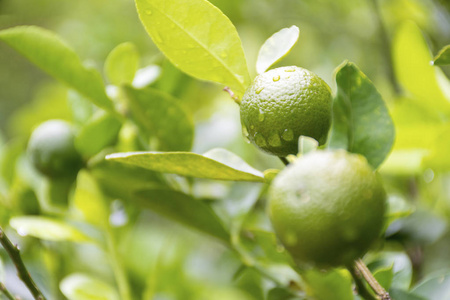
point(434, 287)
point(84, 287)
point(122, 63)
point(158, 114)
point(198, 38)
point(47, 229)
point(419, 78)
point(306, 144)
point(99, 132)
point(47, 51)
point(361, 121)
point(184, 209)
point(384, 276)
point(209, 166)
point(335, 284)
point(398, 294)
point(443, 57)
point(276, 47)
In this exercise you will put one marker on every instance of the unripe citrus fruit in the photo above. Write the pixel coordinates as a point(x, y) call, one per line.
point(283, 104)
point(52, 150)
point(327, 208)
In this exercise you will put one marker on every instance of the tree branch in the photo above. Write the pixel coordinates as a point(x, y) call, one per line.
point(373, 283)
point(14, 253)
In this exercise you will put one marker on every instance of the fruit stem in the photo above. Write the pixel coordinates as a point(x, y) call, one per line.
point(232, 95)
point(360, 287)
point(14, 253)
point(362, 269)
point(284, 160)
point(5, 292)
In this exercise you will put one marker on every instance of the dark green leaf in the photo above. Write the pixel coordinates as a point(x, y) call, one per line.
point(100, 131)
point(48, 52)
point(210, 165)
point(184, 209)
point(198, 38)
point(159, 114)
point(122, 63)
point(443, 57)
point(276, 47)
point(361, 121)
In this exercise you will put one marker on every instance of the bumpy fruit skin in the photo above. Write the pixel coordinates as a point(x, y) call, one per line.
point(327, 208)
point(52, 151)
point(283, 104)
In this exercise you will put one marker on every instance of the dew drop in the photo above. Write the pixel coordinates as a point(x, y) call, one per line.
point(259, 90)
point(261, 115)
point(260, 140)
point(274, 140)
point(148, 12)
point(288, 135)
point(276, 78)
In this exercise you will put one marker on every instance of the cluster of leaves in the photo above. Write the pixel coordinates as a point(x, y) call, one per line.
point(134, 137)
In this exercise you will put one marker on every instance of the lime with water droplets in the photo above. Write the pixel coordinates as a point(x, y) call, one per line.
point(327, 208)
point(283, 104)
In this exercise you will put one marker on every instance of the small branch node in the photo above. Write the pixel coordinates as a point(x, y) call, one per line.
point(232, 95)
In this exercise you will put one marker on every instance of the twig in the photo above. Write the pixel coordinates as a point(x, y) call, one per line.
point(232, 95)
point(373, 283)
point(360, 287)
point(284, 160)
point(14, 253)
point(5, 292)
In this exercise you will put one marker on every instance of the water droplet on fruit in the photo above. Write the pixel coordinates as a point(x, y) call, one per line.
point(276, 78)
point(148, 12)
point(289, 70)
point(259, 90)
point(274, 140)
point(260, 140)
point(288, 135)
point(261, 115)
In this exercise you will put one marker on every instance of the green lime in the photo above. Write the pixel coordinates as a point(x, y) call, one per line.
point(283, 104)
point(327, 208)
point(52, 151)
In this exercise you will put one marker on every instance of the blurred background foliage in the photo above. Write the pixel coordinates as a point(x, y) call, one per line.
point(167, 261)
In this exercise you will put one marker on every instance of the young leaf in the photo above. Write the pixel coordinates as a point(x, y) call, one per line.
point(122, 63)
point(361, 121)
point(306, 144)
point(100, 131)
point(443, 57)
point(434, 287)
point(83, 287)
point(48, 52)
point(184, 209)
point(47, 229)
point(158, 114)
point(276, 47)
point(198, 38)
point(384, 276)
point(191, 164)
point(419, 78)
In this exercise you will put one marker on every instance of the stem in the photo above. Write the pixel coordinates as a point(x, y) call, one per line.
point(386, 46)
point(5, 292)
point(14, 253)
point(232, 95)
point(284, 160)
point(373, 283)
point(119, 273)
point(360, 287)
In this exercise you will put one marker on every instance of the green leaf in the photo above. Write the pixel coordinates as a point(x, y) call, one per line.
point(335, 284)
point(184, 209)
point(100, 131)
point(434, 287)
point(211, 165)
point(159, 114)
point(276, 47)
point(306, 144)
point(361, 121)
point(264, 246)
point(47, 229)
point(122, 63)
point(89, 201)
point(420, 78)
point(84, 287)
point(401, 267)
point(398, 294)
point(197, 38)
point(48, 52)
point(384, 276)
point(443, 57)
